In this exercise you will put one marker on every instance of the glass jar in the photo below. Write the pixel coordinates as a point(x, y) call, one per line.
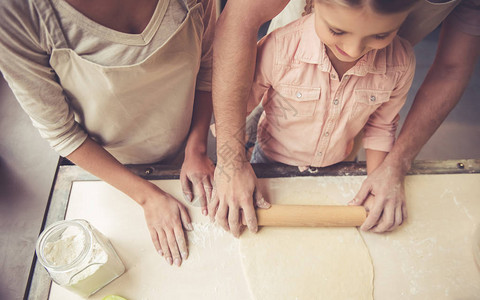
point(78, 257)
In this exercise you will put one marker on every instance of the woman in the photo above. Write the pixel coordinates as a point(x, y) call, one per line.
point(114, 82)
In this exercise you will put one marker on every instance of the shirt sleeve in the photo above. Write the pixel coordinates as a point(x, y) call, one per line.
point(24, 63)
point(381, 127)
point(466, 17)
point(204, 77)
point(263, 76)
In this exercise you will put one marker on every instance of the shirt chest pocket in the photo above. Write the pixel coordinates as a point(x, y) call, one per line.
point(367, 101)
point(293, 102)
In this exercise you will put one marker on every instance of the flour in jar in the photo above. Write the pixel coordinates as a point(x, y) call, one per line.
point(82, 261)
point(65, 250)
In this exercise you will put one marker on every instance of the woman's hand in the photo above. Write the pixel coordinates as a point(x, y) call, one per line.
point(197, 179)
point(165, 217)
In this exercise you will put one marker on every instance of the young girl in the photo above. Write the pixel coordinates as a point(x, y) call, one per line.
point(329, 75)
point(115, 82)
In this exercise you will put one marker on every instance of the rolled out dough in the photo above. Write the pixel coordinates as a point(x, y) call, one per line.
point(306, 263)
point(428, 257)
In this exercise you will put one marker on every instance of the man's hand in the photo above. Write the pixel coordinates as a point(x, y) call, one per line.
point(383, 195)
point(234, 55)
point(233, 195)
point(437, 96)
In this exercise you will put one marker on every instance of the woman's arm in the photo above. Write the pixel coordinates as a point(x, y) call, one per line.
point(164, 214)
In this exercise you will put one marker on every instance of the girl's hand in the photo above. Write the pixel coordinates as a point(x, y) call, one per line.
point(197, 179)
point(165, 217)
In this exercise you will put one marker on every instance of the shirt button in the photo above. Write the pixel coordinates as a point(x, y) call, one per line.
point(327, 133)
point(299, 95)
point(335, 102)
point(346, 76)
point(373, 98)
point(319, 153)
point(334, 76)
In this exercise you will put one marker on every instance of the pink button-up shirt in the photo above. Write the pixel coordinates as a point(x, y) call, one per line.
point(311, 117)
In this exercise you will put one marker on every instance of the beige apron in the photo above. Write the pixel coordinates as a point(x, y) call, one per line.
point(140, 113)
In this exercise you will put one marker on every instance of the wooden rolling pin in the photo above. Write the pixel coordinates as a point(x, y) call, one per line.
point(311, 216)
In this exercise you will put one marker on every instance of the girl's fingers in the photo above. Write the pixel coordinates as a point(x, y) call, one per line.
point(186, 187)
point(199, 188)
point(208, 187)
point(185, 217)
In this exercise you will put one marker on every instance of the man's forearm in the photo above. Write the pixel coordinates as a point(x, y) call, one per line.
point(234, 57)
point(441, 90)
point(234, 65)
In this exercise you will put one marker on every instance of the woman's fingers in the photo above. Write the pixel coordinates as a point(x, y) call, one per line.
point(155, 240)
point(172, 245)
point(164, 245)
point(181, 242)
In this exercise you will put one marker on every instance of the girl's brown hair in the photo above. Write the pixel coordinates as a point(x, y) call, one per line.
point(379, 6)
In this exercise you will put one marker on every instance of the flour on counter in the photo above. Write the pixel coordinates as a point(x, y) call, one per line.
point(205, 234)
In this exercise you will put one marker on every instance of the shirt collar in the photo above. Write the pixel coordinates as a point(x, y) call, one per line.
point(312, 50)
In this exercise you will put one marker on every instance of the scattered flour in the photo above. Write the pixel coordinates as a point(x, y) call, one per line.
point(205, 234)
point(207, 237)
